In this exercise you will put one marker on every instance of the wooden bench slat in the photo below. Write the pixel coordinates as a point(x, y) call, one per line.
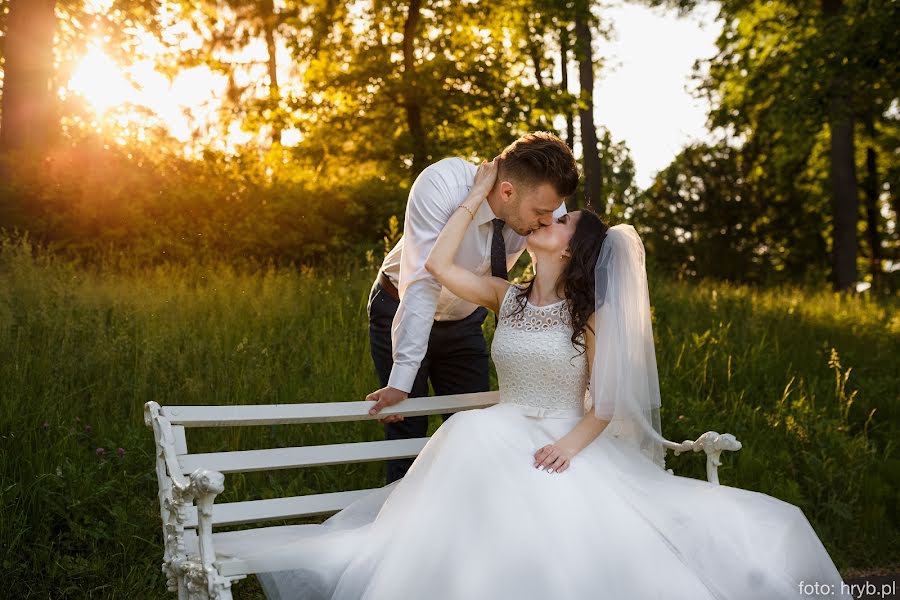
point(245, 461)
point(253, 511)
point(318, 412)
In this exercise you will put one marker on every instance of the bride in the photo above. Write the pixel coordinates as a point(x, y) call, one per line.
point(559, 491)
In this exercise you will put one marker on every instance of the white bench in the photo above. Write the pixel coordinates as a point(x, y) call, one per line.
point(198, 563)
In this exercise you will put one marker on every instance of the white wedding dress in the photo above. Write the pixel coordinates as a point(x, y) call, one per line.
point(473, 519)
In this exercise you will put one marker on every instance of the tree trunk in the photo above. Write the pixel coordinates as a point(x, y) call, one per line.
point(593, 168)
point(28, 102)
point(412, 102)
point(535, 56)
point(325, 19)
point(270, 22)
point(564, 84)
point(870, 187)
point(534, 52)
point(844, 198)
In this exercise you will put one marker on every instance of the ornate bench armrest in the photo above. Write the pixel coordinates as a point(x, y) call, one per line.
point(202, 488)
point(185, 574)
point(711, 442)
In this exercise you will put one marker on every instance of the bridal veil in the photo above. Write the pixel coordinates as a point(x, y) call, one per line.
point(624, 385)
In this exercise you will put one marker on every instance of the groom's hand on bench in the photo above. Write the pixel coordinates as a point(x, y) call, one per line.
point(387, 396)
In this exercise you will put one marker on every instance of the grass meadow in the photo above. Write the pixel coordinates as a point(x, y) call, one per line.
point(806, 379)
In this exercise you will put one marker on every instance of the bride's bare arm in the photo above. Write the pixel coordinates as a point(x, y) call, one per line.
point(483, 290)
point(557, 456)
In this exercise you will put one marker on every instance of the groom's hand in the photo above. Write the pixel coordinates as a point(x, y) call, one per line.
point(387, 396)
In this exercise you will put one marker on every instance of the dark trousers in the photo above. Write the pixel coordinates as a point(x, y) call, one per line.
point(456, 362)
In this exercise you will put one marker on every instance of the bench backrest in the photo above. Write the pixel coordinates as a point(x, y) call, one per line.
point(169, 424)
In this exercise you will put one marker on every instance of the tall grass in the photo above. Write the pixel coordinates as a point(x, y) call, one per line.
point(807, 380)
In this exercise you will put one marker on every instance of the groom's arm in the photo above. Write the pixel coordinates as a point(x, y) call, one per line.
point(427, 211)
point(430, 204)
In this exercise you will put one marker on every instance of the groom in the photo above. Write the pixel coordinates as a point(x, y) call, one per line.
point(419, 331)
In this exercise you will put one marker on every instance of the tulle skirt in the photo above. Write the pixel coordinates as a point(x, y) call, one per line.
point(473, 519)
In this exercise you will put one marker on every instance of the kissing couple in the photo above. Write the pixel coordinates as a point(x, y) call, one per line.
point(559, 491)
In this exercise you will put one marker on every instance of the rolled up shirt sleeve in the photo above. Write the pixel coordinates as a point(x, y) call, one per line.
point(430, 204)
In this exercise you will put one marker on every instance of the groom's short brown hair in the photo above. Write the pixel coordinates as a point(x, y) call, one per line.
point(540, 157)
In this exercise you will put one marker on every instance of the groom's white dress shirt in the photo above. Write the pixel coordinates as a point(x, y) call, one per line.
point(438, 191)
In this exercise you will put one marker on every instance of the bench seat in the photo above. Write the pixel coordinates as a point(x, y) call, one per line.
point(201, 564)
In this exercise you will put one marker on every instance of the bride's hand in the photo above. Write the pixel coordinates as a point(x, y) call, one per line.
point(486, 177)
point(553, 457)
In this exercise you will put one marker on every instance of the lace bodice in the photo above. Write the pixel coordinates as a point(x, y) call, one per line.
point(537, 365)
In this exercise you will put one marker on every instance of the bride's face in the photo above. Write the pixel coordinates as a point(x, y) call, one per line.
point(554, 237)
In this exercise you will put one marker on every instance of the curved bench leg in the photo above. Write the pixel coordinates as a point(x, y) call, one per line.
point(197, 582)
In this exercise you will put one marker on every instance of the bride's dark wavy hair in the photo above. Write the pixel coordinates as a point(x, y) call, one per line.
point(578, 276)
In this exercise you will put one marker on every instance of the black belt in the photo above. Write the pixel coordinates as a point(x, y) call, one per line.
point(385, 283)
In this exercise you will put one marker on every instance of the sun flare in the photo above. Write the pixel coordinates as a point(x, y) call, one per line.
point(188, 101)
point(100, 81)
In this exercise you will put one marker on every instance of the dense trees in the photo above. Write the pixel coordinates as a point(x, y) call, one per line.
point(796, 85)
point(349, 101)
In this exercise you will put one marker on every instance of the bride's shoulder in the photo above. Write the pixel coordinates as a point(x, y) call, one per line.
point(514, 289)
point(509, 298)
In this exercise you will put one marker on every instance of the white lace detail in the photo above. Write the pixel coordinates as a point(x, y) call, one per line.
point(537, 365)
point(535, 317)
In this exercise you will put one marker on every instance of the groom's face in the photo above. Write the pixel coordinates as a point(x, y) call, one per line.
point(531, 208)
